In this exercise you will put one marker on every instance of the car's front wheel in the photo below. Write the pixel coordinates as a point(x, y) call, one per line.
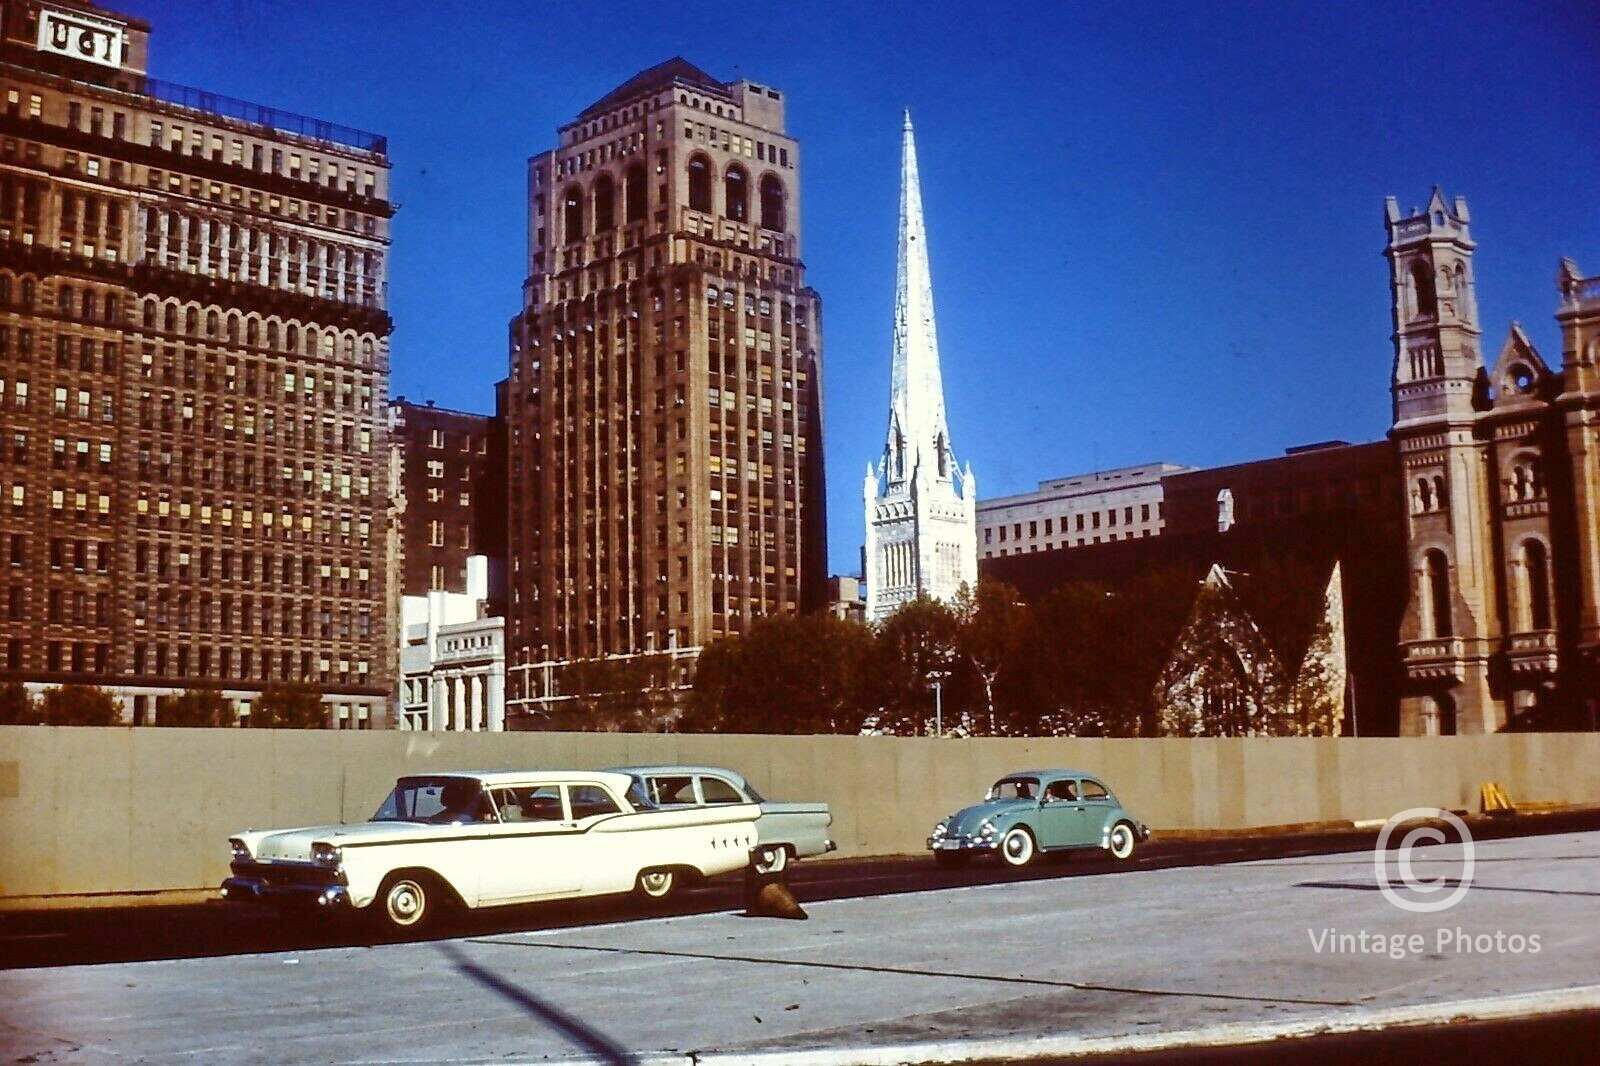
point(1122, 842)
point(657, 885)
point(1017, 847)
point(409, 901)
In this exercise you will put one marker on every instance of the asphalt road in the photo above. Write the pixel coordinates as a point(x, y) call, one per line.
point(1057, 949)
point(78, 936)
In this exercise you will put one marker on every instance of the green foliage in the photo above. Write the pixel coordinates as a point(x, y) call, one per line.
point(293, 706)
point(915, 646)
point(79, 705)
point(17, 707)
point(204, 707)
point(788, 675)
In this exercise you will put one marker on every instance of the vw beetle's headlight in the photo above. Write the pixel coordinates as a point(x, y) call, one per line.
point(941, 829)
point(240, 852)
point(324, 854)
point(986, 828)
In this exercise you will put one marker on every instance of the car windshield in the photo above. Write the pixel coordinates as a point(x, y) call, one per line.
point(1011, 788)
point(433, 799)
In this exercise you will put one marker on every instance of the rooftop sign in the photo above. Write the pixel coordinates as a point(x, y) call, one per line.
point(82, 36)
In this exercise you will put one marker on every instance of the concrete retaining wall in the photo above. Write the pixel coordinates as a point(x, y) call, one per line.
point(93, 810)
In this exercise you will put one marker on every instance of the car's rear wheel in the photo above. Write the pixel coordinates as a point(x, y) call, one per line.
point(1123, 842)
point(409, 902)
point(950, 860)
point(657, 885)
point(771, 859)
point(1017, 847)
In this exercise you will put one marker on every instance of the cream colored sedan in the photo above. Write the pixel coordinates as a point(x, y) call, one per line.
point(491, 839)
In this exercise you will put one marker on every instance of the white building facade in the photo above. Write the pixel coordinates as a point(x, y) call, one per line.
point(1077, 511)
point(452, 659)
point(920, 506)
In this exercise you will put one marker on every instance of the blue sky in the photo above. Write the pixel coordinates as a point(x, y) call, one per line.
point(1156, 228)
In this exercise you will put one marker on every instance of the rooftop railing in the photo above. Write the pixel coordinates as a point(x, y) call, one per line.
point(261, 115)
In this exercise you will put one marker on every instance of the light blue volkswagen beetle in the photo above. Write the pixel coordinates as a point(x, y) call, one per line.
point(1032, 811)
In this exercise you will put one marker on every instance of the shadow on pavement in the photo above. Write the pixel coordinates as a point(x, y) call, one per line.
point(585, 1037)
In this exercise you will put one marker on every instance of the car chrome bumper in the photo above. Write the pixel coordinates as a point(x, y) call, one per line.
point(962, 844)
point(258, 890)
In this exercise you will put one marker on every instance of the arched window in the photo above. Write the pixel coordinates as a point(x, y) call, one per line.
point(191, 321)
point(5, 288)
point(774, 215)
point(605, 204)
point(633, 193)
point(27, 293)
point(272, 334)
point(572, 214)
point(291, 337)
point(736, 194)
point(1424, 496)
point(233, 329)
point(149, 314)
point(1422, 288)
point(211, 323)
point(1441, 495)
point(1438, 575)
point(1536, 565)
point(699, 183)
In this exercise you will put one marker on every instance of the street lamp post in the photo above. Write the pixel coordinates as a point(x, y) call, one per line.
point(938, 708)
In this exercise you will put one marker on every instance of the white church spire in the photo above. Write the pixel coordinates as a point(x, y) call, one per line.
point(921, 515)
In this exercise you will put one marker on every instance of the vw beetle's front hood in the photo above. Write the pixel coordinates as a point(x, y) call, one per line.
point(966, 821)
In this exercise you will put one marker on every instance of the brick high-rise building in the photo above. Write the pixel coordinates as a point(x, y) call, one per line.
point(664, 401)
point(453, 473)
point(194, 351)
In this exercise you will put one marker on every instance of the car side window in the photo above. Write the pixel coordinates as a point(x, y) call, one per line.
point(1060, 790)
point(539, 803)
point(589, 801)
point(1094, 790)
point(670, 791)
point(716, 790)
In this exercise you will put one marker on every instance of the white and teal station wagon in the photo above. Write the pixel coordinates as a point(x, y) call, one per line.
point(1035, 811)
point(491, 839)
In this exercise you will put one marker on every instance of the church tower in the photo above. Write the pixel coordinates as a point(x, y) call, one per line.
point(1451, 627)
point(921, 509)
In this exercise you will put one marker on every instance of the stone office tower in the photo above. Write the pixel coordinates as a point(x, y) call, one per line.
point(194, 351)
point(1501, 465)
point(664, 400)
point(921, 509)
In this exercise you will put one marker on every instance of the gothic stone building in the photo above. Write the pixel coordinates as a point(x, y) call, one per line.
point(1501, 464)
point(664, 402)
point(194, 363)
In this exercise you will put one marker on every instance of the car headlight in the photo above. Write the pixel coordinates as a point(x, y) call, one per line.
point(240, 852)
point(324, 854)
point(986, 828)
point(941, 829)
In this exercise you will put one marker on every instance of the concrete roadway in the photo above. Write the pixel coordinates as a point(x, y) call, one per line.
point(1051, 965)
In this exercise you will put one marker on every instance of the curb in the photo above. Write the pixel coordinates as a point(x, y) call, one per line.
point(1234, 1034)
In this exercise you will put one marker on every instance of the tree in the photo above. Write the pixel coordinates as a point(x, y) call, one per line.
point(915, 646)
point(79, 705)
point(17, 707)
point(994, 630)
point(293, 706)
point(196, 707)
point(789, 674)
